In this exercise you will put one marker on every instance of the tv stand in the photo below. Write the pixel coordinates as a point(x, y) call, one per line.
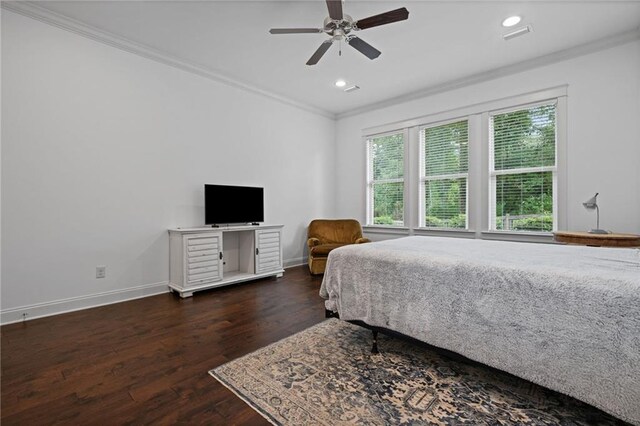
point(203, 258)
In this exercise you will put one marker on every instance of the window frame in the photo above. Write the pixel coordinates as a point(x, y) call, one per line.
point(422, 178)
point(370, 181)
point(493, 173)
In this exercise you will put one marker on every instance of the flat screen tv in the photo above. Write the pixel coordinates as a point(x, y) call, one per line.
point(225, 204)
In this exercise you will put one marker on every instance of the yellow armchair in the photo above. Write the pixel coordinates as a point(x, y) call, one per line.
point(325, 235)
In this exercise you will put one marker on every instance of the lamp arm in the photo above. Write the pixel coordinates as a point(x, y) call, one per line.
point(597, 217)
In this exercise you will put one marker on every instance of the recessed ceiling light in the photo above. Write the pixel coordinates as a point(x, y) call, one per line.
point(341, 83)
point(511, 21)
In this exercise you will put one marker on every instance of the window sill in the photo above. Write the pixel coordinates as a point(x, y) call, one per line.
point(529, 237)
point(441, 232)
point(382, 229)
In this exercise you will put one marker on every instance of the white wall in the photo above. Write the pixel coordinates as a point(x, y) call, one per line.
point(603, 133)
point(103, 150)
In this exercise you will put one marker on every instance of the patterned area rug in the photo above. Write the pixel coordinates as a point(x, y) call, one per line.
point(326, 375)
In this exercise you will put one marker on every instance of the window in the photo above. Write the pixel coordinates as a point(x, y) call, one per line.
point(493, 170)
point(385, 189)
point(523, 169)
point(444, 167)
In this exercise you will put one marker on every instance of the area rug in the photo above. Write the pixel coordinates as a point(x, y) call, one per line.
point(326, 375)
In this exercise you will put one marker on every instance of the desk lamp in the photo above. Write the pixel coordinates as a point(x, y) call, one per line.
point(591, 204)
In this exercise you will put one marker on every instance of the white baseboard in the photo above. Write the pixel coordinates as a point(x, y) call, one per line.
point(56, 307)
point(289, 263)
point(39, 310)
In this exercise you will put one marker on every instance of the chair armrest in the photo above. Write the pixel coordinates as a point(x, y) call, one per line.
point(362, 240)
point(311, 242)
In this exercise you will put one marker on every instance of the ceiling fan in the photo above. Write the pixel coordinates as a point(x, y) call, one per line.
point(339, 26)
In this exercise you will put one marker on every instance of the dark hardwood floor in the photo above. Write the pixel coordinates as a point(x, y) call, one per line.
point(146, 361)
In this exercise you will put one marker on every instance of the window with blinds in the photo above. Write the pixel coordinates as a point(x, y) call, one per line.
point(523, 169)
point(385, 196)
point(444, 167)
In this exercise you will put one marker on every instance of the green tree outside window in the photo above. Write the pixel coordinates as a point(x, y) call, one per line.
point(386, 164)
point(524, 159)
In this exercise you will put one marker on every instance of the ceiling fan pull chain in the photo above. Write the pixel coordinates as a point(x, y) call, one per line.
point(340, 48)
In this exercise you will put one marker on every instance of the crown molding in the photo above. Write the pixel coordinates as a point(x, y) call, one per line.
point(42, 14)
point(540, 61)
point(39, 13)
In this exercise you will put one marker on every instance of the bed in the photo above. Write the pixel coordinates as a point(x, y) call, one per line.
point(565, 317)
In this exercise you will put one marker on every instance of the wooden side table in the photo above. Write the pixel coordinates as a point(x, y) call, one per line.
point(597, 240)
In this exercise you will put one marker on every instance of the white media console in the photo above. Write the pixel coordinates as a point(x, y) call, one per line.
point(202, 258)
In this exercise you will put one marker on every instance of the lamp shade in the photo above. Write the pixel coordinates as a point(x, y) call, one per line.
point(591, 202)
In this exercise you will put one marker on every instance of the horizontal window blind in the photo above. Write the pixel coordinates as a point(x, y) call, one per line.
point(444, 174)
point(386, 180)
point(524, 138)
point(523, 159)
point(387, 156)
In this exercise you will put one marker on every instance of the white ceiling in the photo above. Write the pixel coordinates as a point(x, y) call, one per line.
point(441, 42)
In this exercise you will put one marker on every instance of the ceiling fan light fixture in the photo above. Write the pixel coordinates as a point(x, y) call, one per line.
point(511, 21)
point(340, 83)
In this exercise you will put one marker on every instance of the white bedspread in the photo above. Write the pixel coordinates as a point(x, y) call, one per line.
point(565, 317)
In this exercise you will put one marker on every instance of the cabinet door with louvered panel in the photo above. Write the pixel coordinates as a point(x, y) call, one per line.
point(268, 250)
point(203, 258)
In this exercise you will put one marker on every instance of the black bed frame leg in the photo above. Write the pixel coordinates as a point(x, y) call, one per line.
point(331, 314)
point(374, 347)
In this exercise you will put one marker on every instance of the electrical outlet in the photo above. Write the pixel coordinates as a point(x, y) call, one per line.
point(101, 271)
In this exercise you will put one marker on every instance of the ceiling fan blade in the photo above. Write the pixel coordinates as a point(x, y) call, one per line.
point(335, 9)
point(382, 19)
point(363, 47)
point(318, 53)
point(295, 30)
